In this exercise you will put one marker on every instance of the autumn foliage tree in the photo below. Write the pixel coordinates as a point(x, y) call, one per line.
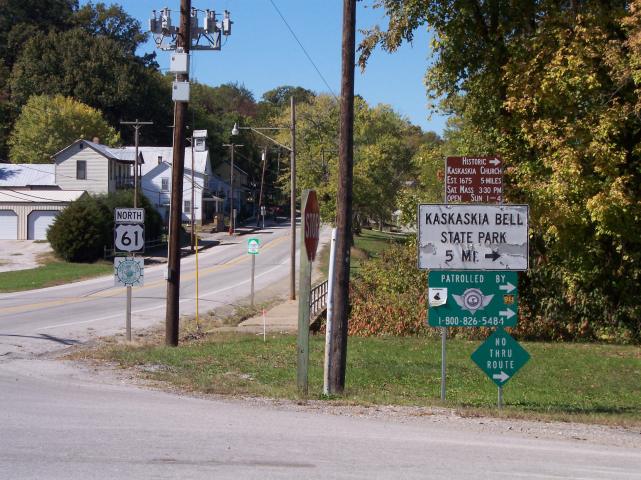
point(47, 124)
point(554, 88)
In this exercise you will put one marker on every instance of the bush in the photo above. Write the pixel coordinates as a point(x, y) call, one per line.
point(80, 232)
point(83, 229)
point(390, 295)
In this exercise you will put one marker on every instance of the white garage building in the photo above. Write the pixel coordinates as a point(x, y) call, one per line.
point(28, 214)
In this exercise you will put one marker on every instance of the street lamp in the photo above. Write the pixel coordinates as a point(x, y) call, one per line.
point(232, 146)
point(292, 151)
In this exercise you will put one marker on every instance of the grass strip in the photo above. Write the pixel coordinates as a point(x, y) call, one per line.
point(568, 382)
point(54, 273)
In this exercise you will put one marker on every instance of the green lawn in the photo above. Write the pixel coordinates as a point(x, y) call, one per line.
point(53, 273)
point(366, 245)
point(578, 382)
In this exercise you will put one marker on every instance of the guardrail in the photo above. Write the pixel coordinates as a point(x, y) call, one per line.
point(317, 300)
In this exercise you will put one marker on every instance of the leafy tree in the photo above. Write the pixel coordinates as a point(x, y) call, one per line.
point(112, 22)
point(554, 88)
point(20, 19)
point(96, 71)
point(48, 124)
point(384, 144)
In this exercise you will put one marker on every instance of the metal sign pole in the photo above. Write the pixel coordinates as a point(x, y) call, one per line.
point(252, 282)
point(500, 398)
point(444, 329)
point(128, 321)
point(443, 362)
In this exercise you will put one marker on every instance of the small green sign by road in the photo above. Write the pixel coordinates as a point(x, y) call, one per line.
point(500, 357)
point(473, 299)
point(253, 244)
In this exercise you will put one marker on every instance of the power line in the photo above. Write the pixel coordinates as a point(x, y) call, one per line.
point(304, 51)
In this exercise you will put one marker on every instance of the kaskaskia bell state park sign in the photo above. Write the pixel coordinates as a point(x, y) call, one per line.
point(473, 237)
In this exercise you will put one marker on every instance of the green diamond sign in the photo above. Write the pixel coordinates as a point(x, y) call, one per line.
point(500, 357)
point(472, 298)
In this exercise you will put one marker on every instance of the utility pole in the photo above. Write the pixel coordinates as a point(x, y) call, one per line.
point(292, 250)
point(137, 124)
point(338, 350)
point(180, 110)
point(232, 147)
point(181, 40)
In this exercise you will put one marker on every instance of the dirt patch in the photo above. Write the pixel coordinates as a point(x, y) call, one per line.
point(23, 254)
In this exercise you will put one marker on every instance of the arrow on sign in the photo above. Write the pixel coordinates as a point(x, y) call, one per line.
point(494, 255)
point(507, 288)
point(509, 313)
point(495, 161)
point(501, 377)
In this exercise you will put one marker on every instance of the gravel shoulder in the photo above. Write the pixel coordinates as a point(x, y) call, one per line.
point(111, 375)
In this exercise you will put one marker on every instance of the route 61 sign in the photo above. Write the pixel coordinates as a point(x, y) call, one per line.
point(129, 271)
point(129, 237)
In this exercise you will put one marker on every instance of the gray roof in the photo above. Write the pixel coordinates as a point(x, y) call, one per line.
point(27, 175)
point(120, 154)
point(151, 154)
point(40, 196)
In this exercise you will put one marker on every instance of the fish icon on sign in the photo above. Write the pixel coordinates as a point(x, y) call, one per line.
point(472, 300)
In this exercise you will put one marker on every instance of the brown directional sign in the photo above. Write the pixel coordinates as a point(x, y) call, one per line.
point(474, 179)
point(312, 225)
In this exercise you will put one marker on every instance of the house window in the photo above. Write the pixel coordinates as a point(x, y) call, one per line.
point(164, 184)
point(187, 207)
point(81, 170)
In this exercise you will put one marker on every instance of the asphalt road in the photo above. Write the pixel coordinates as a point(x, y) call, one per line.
point(43, 320)
point(63, 421)
point(60, 422)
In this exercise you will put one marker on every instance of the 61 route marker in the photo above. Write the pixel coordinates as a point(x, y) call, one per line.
point(500, 357)
point(473, 237)
point(129, 237)
point(472, 299)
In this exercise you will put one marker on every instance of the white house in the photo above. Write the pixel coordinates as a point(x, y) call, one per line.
point(156, 182)
point(93, 167)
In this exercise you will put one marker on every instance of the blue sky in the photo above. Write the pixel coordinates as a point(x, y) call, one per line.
point(262, 54)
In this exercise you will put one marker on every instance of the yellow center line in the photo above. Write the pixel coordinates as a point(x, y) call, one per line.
point(120, 291)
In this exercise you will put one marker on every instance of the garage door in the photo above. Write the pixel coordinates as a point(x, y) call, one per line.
point(8, 225)
point(39, 223)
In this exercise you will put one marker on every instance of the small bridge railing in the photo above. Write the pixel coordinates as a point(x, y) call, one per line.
point(317, 300)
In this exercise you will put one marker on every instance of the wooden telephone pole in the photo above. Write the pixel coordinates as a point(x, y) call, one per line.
point(183, 41)
point(338, 348)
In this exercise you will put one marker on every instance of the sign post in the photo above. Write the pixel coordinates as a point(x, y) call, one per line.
point(310, 225)
point(253, 244)
point(129, 237)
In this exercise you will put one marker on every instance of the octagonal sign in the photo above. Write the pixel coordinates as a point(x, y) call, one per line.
point(312, 224)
